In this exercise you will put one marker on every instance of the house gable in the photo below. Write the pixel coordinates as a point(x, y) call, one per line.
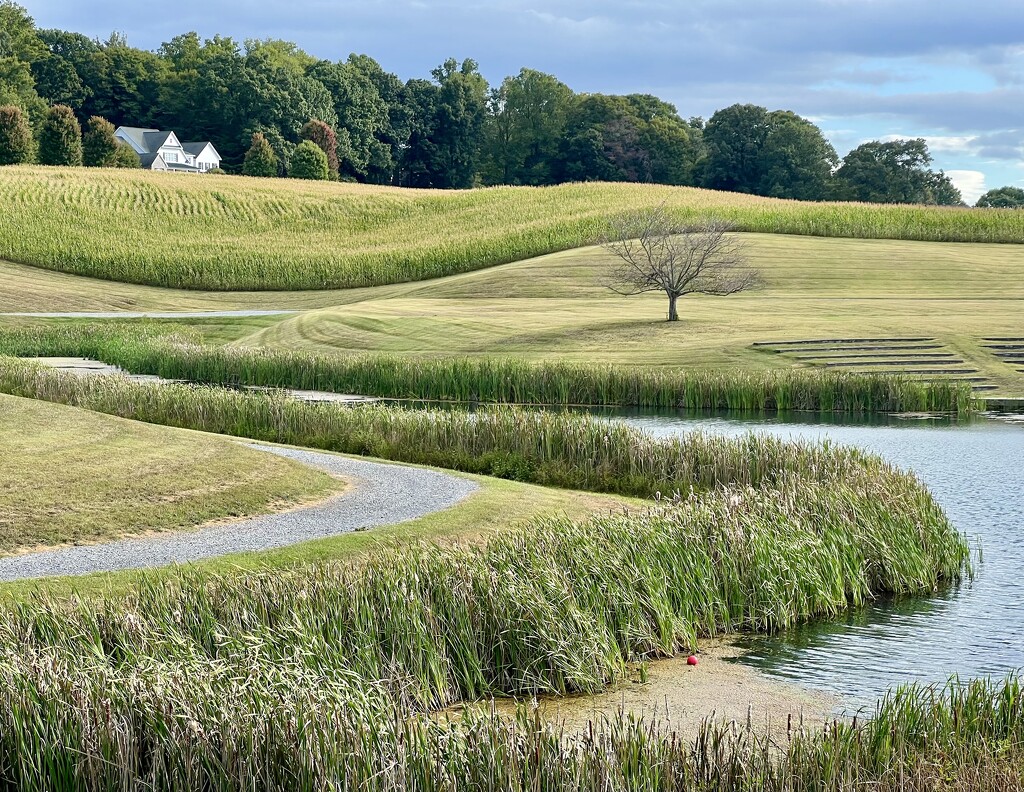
point(161, 150)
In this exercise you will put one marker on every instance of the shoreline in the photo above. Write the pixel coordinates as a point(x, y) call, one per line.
point(679, 698)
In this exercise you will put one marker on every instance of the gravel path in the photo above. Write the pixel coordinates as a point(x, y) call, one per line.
point(150, 314)
point(379, 495)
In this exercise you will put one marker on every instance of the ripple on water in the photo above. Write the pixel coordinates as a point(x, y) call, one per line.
point(976, 472)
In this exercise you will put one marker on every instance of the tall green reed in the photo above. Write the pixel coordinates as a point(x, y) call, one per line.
point(149, 350)
point(554, 448)
point(558, 606)
point(64, 729)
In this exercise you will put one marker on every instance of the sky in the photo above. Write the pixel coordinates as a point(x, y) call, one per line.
point(950, 72)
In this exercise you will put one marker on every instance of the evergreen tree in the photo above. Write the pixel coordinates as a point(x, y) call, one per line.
point(309, 162)
point(323, 136)
point(16, 144)
point(60, 139)
point(99, 146)
point(260, 159)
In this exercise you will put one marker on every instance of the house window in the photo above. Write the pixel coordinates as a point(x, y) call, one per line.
point(170, 157)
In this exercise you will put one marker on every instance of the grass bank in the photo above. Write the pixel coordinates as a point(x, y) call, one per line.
point(553, 448)
point(251, 234)
point(70, 476)
point(149, 350)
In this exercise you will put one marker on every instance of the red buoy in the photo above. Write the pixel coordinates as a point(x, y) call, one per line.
point(691, 660)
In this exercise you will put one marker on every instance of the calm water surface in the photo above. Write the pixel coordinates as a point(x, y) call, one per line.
point(976, 471)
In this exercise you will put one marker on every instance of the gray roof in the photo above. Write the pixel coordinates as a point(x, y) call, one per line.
point(137, 134)
point(195, 148)
point(154, 139)
point(147, 160)
point(150, 141)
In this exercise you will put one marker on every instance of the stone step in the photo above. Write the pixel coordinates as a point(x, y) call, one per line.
point(883, 356)
point(896, 362)
point(838, 341)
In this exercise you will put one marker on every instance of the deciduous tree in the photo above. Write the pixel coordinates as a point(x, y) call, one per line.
point(125, 157)
point(735, 138)
point(60, 139)
point(16, 143)
point(653, 252)
point(99, 146)
point(323, 136)
point(892, 172)
point(1002, 198)
point(308, 162)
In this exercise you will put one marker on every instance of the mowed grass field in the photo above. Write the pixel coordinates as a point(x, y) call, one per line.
point(234, 233)
point(70, 476)
point(555, 307)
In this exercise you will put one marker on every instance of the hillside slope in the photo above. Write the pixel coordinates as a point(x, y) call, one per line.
point(235, 233)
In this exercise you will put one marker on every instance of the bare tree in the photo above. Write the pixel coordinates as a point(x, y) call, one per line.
point(657, 253)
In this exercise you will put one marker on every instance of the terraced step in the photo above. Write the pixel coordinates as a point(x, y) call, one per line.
point(895, 362)
point(841, 341)
point(917, 357)
point(860, 348)
point(859, 355)
point(906, 372)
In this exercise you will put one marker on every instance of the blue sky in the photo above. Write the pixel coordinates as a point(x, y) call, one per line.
point(951, 72)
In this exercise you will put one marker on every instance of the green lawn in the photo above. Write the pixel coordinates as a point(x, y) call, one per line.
point(70, 476)
point(555, 307)
point(497, 505)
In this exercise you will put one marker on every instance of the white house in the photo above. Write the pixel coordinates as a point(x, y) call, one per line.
point(163, 151)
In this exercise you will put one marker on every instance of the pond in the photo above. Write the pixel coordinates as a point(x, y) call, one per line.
point(975, 469)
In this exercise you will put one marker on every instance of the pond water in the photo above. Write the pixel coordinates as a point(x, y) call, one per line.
point(975, 469)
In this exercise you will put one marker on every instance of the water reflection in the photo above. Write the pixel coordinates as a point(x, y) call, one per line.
point(975, 468)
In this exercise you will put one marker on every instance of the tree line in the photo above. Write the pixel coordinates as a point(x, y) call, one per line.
point(267, 104)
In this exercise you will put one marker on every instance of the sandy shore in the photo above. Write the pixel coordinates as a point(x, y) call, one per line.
point(681, 697)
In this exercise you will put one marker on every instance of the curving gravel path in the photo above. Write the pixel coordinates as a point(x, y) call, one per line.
point(379, 495)
point(148, 314)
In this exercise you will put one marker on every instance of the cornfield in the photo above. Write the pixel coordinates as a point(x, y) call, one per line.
point(226, 233)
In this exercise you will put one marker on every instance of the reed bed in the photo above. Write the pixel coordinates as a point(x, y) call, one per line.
point(227, 233)
point(151, 350)
point(318, 678)
point(194, 727)
point(561, 449)
point(559, 606)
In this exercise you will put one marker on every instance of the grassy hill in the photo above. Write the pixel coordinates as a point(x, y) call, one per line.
point(234, 233)
point(555, 308)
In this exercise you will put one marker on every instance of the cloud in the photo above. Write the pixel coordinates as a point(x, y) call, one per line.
point(941, 69)
point(970, 183)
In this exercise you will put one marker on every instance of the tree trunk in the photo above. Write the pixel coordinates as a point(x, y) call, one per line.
point(673, 314)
